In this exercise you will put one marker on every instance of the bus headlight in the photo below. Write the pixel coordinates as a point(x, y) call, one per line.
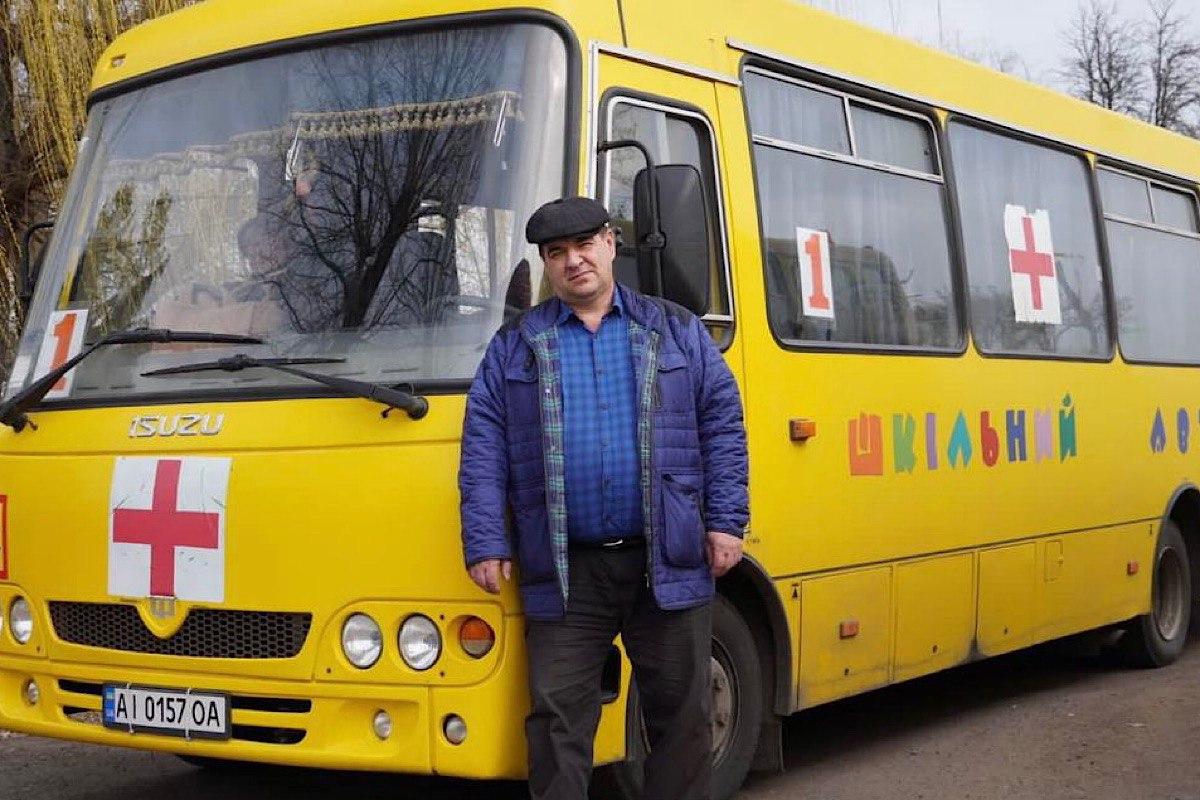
point(420, 642)
point(20, 620)
point(362, 640)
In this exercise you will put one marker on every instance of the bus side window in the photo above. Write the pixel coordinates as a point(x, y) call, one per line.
point(672, 136)
point(1154, 246)
point(854, 214)
point(1031, 245)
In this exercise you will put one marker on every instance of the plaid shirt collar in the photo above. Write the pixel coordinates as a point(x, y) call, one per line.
point(563, 312)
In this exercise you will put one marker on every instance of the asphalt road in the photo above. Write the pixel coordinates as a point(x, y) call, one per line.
point(1039, 725)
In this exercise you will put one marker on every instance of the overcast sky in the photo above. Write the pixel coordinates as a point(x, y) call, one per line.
point(1032, 29)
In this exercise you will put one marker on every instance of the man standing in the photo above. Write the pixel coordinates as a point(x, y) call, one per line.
point(610, 427)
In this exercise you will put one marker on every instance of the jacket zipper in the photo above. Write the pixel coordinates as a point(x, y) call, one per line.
point(654, 343)
point(558, 577)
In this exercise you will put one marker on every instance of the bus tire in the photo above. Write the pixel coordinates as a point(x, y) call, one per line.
point(1156, 639)
point(737, 715)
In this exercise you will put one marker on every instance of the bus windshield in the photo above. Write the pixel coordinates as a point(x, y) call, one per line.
point(359, 201)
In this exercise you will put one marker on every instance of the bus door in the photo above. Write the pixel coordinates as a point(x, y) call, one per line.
point(673, 114)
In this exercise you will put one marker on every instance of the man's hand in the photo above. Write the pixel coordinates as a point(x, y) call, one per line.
point(487, 574)
point(724, 551)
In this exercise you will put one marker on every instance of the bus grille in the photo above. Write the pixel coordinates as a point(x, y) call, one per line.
point(206, 633)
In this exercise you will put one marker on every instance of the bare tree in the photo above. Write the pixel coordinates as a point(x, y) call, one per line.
point(1104, 62)
point(1174, 69)
point(47, 51)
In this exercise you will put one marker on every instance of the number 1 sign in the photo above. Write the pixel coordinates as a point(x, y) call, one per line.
point(63, 340)
point(816, 283)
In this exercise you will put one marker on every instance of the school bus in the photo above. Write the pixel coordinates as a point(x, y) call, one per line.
point(958, 306)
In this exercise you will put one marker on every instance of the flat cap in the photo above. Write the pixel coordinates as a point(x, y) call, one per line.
point(564, 218)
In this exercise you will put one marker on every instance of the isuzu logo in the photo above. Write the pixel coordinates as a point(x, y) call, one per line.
point(177, 425)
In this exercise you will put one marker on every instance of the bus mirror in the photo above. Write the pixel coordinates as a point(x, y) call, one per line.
point(685, 251)
point(31, 264)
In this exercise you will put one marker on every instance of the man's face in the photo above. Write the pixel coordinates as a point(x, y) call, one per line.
point(580, 268)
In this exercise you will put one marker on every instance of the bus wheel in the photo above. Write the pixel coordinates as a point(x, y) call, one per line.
point(737, 707)
point(1156, 639)
point(737, 699)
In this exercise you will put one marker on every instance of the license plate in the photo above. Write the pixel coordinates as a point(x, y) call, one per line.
point(199, 715)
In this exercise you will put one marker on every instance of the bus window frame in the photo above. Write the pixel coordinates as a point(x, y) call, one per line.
point(573, 104)
point(776, 60)
point(1151, 178)
point(808, 78)
point(1179, 187)
point(847, 99)
point(608, 101)
point(1087, 157)
point(772, 59)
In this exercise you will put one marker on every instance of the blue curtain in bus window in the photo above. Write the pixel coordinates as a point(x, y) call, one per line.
point(996, 176)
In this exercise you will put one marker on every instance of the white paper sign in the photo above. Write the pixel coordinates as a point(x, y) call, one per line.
point(166, 528)
point(816, 280)
point(1031, 265)
point(62, 342)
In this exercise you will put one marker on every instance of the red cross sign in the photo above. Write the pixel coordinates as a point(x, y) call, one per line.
point(166, 528)
point(1031, 264)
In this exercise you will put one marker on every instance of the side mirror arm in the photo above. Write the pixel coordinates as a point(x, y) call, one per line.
point(28, 279)
point(654, 240)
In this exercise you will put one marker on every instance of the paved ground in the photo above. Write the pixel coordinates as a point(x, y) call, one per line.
point(1040, 725)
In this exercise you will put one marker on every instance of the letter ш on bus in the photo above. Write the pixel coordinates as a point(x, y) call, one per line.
point(866, 445)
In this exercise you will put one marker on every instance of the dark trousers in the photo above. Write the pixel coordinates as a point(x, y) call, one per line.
point(670, 652)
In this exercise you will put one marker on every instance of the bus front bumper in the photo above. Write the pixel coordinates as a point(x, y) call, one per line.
point(313, 724)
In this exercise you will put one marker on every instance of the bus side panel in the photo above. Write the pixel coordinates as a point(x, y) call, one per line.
point(1007, 598)
point(1085, 580)
point(935, 614)
point(845, 634)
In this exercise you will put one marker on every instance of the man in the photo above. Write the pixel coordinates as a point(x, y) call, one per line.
point(610, 426)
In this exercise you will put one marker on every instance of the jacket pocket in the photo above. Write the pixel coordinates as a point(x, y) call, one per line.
point(682, 524)
point(521, 393)
point(673, 390)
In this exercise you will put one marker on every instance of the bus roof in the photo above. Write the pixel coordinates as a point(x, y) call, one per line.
point(712, 34)
point(215, 27)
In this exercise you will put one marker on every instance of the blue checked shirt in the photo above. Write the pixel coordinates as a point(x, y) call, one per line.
point(604, 496)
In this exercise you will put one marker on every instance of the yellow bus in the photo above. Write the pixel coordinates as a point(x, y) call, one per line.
point(958, 306)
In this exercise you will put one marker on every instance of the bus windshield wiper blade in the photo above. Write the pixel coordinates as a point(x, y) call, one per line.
point(12, 411)
point(237, 363)
point(413, 405)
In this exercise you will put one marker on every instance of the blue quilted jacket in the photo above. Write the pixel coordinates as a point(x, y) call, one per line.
point(691, 444)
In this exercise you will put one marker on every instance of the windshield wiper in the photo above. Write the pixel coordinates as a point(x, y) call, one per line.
point(12, 411)
point(413, 405)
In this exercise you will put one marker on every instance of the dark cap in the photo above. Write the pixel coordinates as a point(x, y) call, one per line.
point(565, 218)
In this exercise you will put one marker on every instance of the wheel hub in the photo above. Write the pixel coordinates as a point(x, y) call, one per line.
point(1169, 597)
point(724, 705)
